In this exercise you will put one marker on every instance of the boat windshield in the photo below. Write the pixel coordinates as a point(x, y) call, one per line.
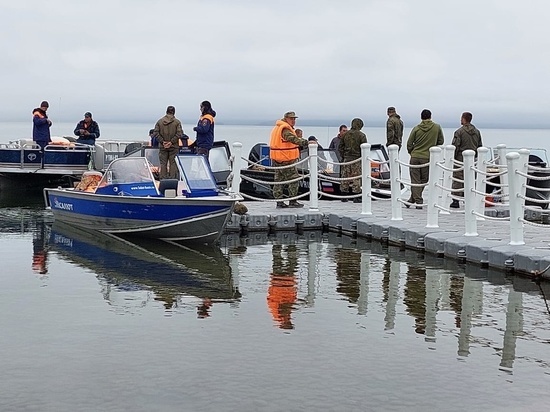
point(127, 170)
point(196, 172)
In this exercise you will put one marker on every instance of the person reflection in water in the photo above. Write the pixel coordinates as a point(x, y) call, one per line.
point(282, 292)
point(203, 310)
point(39, 249)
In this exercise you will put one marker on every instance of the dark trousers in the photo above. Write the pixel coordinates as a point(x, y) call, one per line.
point(418, 175)
point(167, 158)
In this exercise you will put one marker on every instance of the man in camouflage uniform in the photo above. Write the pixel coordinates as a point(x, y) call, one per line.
point(394, 128)
point(467, 137)
point(350, 149)
point(286, 143)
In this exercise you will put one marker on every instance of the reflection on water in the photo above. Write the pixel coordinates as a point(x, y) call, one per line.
point(148, 269)
point(333, 320)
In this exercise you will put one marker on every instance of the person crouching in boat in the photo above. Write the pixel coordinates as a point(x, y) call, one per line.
point(41, 125)
point(87, 130)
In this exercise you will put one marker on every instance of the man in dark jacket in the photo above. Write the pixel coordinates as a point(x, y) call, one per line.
point(423, 136)
point(41, 125)
point(394, 128)
point(349, 150)
point(168, 131)
point(465, 138)
point(87, 130)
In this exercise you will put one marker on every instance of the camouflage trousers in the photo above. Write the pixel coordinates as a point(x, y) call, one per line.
point(281, 175)
point(459, 174)
point(351, 170)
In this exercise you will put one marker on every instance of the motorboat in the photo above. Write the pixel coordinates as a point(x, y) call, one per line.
point(127, 199)
point(537, 189)
point(262, 186)
point(24, 165)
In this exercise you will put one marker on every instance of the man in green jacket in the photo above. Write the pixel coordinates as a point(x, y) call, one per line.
point(349, 149)
point(394, 128)
point(168, 132)
point(465, 138)
point(424, 136)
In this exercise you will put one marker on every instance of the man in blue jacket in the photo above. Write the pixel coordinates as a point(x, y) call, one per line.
point(87, 130)
point(41, 125)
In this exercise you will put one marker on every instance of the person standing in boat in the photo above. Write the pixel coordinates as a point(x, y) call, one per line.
point(350, 150)
point(284, 150)
point(335, 142)
point(205, 129)
point(87, 130)
point(467, 137)
point(168, 131)
point(41, 125)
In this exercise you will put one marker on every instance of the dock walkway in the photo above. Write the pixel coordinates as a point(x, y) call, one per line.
point(490, 248)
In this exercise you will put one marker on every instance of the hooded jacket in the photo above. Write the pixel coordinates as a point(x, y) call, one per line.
point(168, 129)
point(41, 126)
point(394, 130)
point(350, 144)
point(205, 130)
point(466, 138)
point(425, 135)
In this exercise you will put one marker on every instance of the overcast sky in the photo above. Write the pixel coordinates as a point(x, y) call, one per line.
point(327, 60)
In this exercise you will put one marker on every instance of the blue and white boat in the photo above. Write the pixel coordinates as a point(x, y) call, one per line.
point(127, 199)
point(24, 165)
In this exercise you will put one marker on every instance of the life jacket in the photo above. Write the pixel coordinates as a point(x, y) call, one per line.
point(280, 150)
point(207, 117)
point(281, 298)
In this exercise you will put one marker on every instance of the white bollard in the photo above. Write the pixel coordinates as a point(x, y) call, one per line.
point(433, 192)
point(366, 183)
point(516, 209)
point(395, 186)
point(313, 178)
point(481, 178)
point(445, 198)
point(236, 182)
point(470, 221)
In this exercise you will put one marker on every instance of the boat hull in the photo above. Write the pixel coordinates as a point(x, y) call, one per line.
point(178, 218)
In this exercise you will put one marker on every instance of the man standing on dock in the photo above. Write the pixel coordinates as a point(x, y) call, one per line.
point(394, 128)
point(284, 150)
point(423, 136)
point(467, 137)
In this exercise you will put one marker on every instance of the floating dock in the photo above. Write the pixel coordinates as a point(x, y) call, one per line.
point(490, 248)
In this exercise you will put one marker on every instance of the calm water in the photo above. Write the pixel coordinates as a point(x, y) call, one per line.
point(268, 323)
point(250, 135)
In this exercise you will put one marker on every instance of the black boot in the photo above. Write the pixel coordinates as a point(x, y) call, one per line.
point(281, 205)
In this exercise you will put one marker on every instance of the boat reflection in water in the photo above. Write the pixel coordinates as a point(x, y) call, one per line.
point(139, 270)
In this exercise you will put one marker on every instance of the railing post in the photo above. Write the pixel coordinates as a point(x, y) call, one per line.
point(366, 182)
point(481, 180)
point(313, 178)
point(433, 192)
point(516, 210)
point(524, 167)
point(470, 221)
point(501, 151)
point(395, 186)
point(236, 182)
point(445, 196)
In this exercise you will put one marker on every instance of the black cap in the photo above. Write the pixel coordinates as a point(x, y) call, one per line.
point(87, 114)
point(44, 104)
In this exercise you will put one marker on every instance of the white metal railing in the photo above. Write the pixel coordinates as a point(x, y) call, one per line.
point(505, 176)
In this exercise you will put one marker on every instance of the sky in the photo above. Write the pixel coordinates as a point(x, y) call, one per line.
point(329, 61)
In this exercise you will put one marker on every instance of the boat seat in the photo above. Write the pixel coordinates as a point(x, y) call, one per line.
point(167, 185)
